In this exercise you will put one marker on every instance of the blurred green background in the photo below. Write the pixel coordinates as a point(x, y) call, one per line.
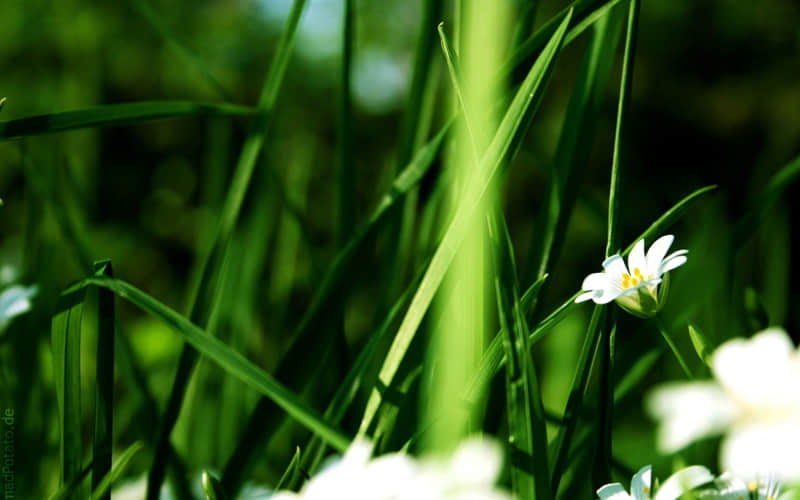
point(716, 100)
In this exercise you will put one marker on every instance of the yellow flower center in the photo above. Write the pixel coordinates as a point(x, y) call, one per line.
point(629, 281)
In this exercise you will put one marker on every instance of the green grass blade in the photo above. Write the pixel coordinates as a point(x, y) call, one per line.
point(523, 106)
point(601, 470)
point(765, 200)
point(669, 217)
point(561, 444)
point(626, 84)
point(345, 176)
point(2, 103)
point(206, 294)
point(292, 474)
point(66, 338)
point(296, 365)
point(527, 433)
point(228, 359)
point(104, 380)
point(152, 18)
point(115, 115)
point(103, 488)
point(212, 488)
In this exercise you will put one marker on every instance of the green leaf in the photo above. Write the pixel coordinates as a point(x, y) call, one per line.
point(104, 380)
point(66, 339)
point(103, 488)
point(702, 346)
point(523, 106)
point(227, 359)
point(114, 115)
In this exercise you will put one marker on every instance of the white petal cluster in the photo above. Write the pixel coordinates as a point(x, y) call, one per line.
point(754, 400)
point(469, 474)
point(634, 287)
point(642, 485)
point(15, 300)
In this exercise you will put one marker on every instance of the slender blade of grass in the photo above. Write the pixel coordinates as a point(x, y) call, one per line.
point(207, 292)
point(115, 115)
point(527, 433)
point(103, 488)
point(104, 380)
point(292, 473)
point(345, 176)
point(701, 344)
point(212, 488)
point(524, 104)
point(66, 339)
point(227, 359)
point(561, 444)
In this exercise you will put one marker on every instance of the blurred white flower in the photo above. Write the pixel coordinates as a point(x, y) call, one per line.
point(730, 487)
point(15, 300)
point(469, 474)
point(642, 485)
point(754, 399)
point(635, 287)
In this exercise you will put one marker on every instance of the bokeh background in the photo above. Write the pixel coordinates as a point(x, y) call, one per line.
point(716, 100)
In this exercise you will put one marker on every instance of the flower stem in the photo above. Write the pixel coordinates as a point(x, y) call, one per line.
point(671, 343)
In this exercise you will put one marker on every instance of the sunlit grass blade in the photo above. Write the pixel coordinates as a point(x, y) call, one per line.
point(207, 291)
point(292, 474)
point(523, 106)
point(702, 346)
point(103, 488)
point(104, 380)
point(2, 103)
point(66, 339)
point(561, 444)
point(574, 145)
point(115, 115)
point(227, 359)
point(298, 362)
point(152, 18)
point(526, 424)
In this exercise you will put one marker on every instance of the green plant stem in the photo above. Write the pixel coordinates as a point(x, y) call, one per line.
point(671, 343)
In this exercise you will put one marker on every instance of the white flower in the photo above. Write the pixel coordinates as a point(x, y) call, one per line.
point(635, 287)
point(15, 300)
point(642, 485)
point(469, 474)
point(730, 487)
point(754, 399)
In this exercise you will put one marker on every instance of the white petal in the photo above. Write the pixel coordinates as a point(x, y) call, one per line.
point(688, 412)
point(615, 267)
point(613, 491)
point(606, 295)
point(683, 480)
point(476, 462)
point(595, 281)
point(16, 300)
point(761, 372)
point(641, 483)
point(766, 449)
point(657, 251)
point(671, 263)
point(730, 487)
point(636, 259)
point(584, 297)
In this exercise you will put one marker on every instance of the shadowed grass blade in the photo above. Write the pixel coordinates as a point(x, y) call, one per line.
point(345, 175)
point(66, 339)
point(103, 488)
point(292, 474)
point(104, 380)
point(114, 115)
point(523, 106)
